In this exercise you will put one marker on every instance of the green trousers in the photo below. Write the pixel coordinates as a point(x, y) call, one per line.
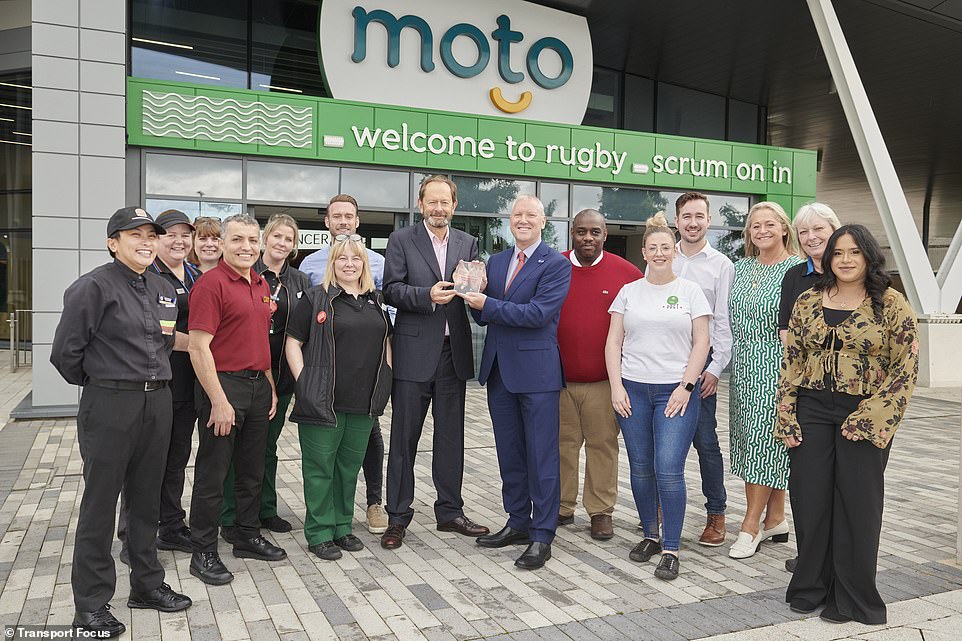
point(269, 486)
point(331, 457)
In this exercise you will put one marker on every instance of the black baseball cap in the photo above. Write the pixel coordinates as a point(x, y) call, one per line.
point(131, 218)
point(173, 217)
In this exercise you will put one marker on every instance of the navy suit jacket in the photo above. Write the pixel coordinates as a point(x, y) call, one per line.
point(523, 323)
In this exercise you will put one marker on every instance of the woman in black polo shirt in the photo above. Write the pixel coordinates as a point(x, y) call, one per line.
point(339, 352)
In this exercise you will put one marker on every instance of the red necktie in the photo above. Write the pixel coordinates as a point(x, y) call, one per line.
point(516, 270)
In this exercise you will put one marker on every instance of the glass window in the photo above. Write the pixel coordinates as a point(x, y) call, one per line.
point(284, 47)
point(686, 112)
point(203, 41)
point(375, 188)
point(742, 122)
point(489, 195)
point(200, 176)
point(291, 183)
point(639, 103)
point(728, 241)
point(194, 208)
point(619, 203)
point(555, 199)
point(494, 233)
point(604, 102)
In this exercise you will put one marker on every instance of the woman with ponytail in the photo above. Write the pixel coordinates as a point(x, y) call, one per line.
point(656, 349)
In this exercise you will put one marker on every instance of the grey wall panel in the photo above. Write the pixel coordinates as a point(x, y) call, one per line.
point(102, 140)
point(58, 268)
point(101, 109)
point(56, 183)
point(103, 46)
point(64, 12)
point(105, 15)
point(55, 233)
point(101, 187)
point(56, 73)
point(56, 40)
point(56, 104)
point(57, 137)
point(103, 77)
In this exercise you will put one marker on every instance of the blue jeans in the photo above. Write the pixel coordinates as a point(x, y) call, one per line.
point(657, 447)
point(710, 457)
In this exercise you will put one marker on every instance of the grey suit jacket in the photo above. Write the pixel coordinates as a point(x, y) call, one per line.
point(410, 270)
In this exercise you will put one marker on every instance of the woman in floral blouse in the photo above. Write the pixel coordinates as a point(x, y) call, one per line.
point(850, 365)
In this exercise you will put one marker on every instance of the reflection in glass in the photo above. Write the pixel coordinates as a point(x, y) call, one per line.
point(686, 112)
point(206, 42)
point(284, 47)
point(730, 242)
point(555, 199)
point(193, 208)
point(375, 188)
point(489, 195)
point(619, 203)
point(291, 183)
point(171, 175)
point(604, 101)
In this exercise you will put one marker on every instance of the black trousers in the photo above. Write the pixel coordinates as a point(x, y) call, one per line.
point(409, 407)
point(172, 514)
point(373, 465)
point(837, 490)
point(244, 446)
point(120, 433)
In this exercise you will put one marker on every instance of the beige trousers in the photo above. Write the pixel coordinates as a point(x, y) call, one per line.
point(588, 419)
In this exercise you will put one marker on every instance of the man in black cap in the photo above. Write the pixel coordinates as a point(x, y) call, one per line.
point(114, 338)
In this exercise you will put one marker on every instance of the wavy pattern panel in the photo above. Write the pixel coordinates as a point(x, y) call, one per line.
point(227, 120)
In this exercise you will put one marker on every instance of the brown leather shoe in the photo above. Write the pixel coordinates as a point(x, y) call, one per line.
point(714, 534)
point(463, 525)
point(393, 536)
point(601, 527)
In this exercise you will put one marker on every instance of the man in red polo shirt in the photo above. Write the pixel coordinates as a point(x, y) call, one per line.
point(587, 418)
point(230, 316)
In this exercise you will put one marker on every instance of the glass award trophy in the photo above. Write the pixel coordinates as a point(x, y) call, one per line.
point(468, 276)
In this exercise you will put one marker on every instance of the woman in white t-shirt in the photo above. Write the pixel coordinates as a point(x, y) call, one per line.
point(657, 346)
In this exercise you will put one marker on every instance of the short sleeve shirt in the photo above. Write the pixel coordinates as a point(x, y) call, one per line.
point(237, 313)
point(658, 321)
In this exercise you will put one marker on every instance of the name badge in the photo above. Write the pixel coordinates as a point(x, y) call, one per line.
point(180, 290)
point(167, 327)
point(166, 301)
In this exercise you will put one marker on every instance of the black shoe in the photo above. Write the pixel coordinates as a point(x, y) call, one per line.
point(791, 564)
point(229, 534)
point(802, 606)
point(162, 598)
point(178, 539)
point(535, 556)
point(208, 567)
point(100, 622)
point(832, 615)
point(349, 543)
point(326, 550)
point(125, 556)
point(566, 520)
point(506, 536)
point(668, 567)
point(258, 548)
point(644, 550)
point(276, 524)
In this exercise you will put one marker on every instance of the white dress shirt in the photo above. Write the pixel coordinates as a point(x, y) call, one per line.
point(714, 273)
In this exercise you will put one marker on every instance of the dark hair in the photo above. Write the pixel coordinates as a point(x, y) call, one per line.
point(438, 178)
point(687, 197)
point(343, 198)
point(877, 280)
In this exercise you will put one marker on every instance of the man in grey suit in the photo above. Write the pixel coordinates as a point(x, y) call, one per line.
point(432, 359)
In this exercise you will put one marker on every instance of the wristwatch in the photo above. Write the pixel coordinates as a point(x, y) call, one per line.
point(688, 386)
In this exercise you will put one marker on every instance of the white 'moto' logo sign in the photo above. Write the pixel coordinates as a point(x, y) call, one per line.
point(488, 58)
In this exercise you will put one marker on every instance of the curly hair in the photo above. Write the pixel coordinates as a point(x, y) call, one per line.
point(877, 281)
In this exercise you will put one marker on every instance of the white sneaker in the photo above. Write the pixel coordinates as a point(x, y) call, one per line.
point(376, 519)
point(745, 545)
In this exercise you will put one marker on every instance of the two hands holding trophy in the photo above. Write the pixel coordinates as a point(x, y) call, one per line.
point(470, 280)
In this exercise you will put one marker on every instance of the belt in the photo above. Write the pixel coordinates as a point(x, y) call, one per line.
point(245, 373)
point(129, 386)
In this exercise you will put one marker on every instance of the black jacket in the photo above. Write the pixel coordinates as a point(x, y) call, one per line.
point(314, 390)
point(293, 282)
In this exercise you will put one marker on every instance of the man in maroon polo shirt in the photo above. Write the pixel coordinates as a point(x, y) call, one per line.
point(230, 315)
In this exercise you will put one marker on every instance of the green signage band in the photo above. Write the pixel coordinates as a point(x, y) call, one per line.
point(189, 116)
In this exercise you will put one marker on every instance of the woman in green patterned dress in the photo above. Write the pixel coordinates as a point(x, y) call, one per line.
point(771, 249)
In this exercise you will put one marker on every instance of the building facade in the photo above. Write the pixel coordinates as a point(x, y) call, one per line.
point(267, 106)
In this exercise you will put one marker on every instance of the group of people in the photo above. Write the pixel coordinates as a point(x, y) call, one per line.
point(208, 323)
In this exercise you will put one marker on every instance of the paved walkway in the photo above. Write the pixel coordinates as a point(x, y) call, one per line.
point(441, 586)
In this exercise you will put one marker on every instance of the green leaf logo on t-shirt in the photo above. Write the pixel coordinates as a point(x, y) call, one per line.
point(672, 300)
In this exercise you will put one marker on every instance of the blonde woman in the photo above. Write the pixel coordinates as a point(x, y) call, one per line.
point(279, 244)
point(762, 463)
point(657, 345)
point(339, 352)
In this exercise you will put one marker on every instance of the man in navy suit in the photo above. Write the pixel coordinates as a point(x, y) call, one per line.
point(521, 365)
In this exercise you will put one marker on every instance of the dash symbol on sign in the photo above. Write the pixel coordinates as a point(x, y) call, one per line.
point(639, 168)
point(334, 141)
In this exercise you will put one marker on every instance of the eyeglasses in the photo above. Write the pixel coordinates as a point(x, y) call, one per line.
point(342, 238)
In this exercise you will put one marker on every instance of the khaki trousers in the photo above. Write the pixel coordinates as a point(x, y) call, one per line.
point(588, 419)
